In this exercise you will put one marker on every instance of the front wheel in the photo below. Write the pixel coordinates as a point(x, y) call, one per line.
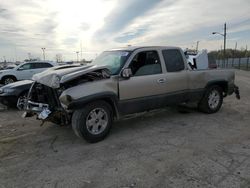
point(93, 122)
point(9, 80)
point(212, 100)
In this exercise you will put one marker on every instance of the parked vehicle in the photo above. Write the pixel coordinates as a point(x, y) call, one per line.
point(120, 82)
point(24, 71)
point(9, 94)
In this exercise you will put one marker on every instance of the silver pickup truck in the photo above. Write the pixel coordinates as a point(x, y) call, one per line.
point(120, 82)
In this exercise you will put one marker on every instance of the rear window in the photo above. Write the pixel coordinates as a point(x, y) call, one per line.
point(173, 60)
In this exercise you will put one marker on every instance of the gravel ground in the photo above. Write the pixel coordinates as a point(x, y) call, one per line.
point(164, 148)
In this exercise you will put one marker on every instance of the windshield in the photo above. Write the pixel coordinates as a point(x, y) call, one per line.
point(114, 60)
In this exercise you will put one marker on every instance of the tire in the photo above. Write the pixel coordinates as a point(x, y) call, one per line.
point(212, 100)
point(8, 79)
point(86, 123)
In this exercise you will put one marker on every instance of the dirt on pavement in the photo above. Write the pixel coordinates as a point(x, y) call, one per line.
point(163, 148)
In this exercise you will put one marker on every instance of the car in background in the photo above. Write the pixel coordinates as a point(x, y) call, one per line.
point(10, 67)
point(24, 71)
point(9, 94)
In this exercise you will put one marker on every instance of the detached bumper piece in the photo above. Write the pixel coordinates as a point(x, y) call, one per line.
point(31, 108)
point(237, 92)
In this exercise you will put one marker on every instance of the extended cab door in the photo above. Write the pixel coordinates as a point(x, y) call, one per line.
point(176, 76)
point(147, 85)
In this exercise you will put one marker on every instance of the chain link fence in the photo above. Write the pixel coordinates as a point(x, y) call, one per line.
point(237, 63)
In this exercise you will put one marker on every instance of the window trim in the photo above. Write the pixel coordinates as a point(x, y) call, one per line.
point(20, 68)
point(184, 67)
point(147, 50)
point(40, 63)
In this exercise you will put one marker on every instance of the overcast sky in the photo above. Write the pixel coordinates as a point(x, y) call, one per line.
point(62, 26)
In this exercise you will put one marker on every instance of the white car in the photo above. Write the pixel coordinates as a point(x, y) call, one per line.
point(24, 71)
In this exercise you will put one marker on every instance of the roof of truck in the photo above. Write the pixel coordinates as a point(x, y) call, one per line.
point(132, 48)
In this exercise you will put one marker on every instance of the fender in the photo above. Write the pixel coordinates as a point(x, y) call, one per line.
point(109, 97)
point(8, 75)
point(222, 83)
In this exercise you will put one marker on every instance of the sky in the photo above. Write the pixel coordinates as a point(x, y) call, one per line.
point(92, 26)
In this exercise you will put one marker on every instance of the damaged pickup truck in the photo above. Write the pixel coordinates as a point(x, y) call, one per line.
point(121, 82)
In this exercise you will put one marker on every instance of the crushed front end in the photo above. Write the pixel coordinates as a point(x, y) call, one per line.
point(43, 101)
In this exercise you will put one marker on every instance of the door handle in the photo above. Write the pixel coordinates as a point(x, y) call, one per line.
point(161, 80)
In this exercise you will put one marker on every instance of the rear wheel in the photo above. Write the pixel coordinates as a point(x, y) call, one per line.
point(93, 122)
point(212, 100)
point(9, 80)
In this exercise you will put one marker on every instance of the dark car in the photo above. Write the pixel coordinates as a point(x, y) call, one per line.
point(9, 94)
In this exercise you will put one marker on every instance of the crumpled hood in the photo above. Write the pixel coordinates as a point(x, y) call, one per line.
point(54, 77)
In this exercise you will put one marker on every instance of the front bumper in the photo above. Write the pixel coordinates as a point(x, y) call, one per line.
point(237, 92)
point(40, 109)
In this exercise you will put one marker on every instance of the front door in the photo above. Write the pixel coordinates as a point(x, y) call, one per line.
point(145, 88)
point(25, 72)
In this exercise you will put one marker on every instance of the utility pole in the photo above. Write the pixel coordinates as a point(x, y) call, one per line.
point(81, 50)
point(197, 46)
point(234, 52)
point(29, 56)
point(225, 38)
point(43, 49)
point(246, 52)
point(15, 54)
point(77, 56)
point(4, 61)
point(235, 48)
point(221, 55)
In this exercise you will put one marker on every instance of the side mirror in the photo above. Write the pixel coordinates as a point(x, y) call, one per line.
point(20, 69)
point(126, 73)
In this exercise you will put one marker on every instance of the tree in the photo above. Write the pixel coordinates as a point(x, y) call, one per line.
point(230, 53)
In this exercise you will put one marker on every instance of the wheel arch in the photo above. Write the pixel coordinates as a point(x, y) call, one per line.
point(9, 75)
point(221, 83)
point(108, 97)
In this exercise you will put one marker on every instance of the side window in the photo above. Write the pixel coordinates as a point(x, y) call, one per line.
point(46, 65)
point(41, 65)
point(146, 63)
point(173, 60)
point(25, 66)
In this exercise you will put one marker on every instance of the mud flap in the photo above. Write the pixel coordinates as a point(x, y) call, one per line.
point(237, 92)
